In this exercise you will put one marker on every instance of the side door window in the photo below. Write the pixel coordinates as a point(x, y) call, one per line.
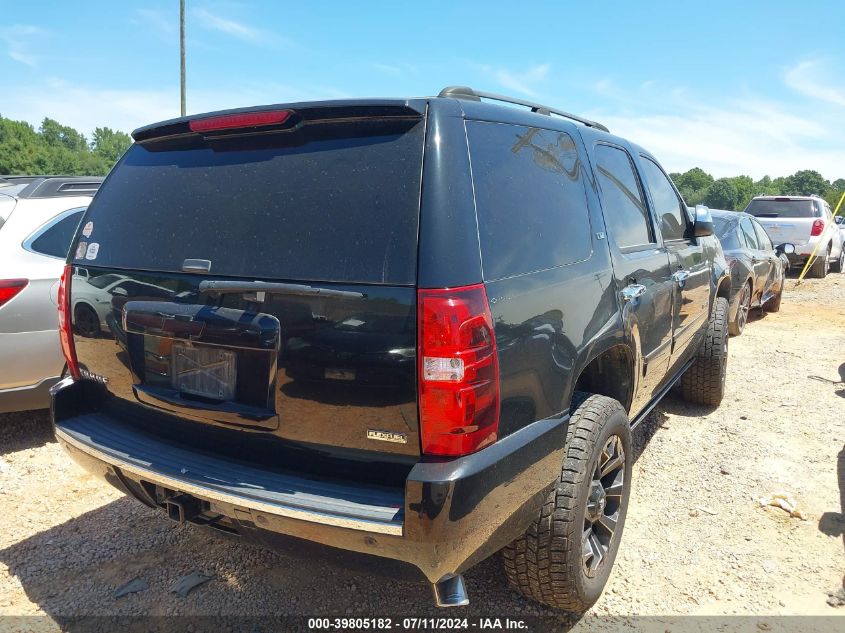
point(766, 256)
point(750, 235)
point(627, 218)
point(669, 209)
point(758, 261)
point(763, 240)
point(640, 265)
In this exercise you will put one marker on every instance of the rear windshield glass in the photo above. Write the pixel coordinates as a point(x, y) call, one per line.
point(782, 208)
point(343, 208)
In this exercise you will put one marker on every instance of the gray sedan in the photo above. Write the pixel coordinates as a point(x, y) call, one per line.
point(757, 266)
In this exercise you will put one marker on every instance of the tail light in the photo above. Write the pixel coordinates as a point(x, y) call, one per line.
point(458, 371)
point(65, 324)
point(818, 227)
point(9, 288)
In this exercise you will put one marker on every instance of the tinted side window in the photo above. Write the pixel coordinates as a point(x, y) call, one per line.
point(748, 232)
point(763, 240)
point(530, 198)
point(624, 210)
point(55, 240)
point(668, 209)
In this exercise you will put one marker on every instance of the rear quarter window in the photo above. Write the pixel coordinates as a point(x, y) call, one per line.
point(530, 198)
point(55, 239)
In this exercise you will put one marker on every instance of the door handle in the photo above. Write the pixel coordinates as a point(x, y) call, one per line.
point(681, 277)
point(631, 292)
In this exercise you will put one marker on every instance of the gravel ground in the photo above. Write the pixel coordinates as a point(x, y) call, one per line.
point(697, 542)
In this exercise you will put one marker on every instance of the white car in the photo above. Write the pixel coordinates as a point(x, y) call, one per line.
point(807, 222)
point(38, 219)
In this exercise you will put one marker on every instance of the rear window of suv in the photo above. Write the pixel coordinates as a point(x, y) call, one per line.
point(343, 206)
point(530, 198)
point(785, 208)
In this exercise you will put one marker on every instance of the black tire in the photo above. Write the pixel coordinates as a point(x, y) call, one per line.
point(743, 309)
point(821, 266)
point(704, 382)
point(85, 321)
point(839, 265)
point(547, 563)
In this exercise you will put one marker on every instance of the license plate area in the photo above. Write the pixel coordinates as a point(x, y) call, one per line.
point(199, 370)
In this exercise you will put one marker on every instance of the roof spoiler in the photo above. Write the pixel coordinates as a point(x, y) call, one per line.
point(299, 114)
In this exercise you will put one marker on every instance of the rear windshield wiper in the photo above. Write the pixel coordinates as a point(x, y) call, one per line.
point(216, 287)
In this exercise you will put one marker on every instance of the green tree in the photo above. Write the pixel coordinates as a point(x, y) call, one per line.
point(745, 190)
point(722, 194)
point(109, 144)
point(805, 183)
point(55, 134)
point(693, 185)
point(57, 149)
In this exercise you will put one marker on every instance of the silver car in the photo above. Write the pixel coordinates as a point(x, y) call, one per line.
point(38, 219)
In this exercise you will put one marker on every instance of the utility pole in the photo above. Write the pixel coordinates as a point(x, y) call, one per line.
point(182, 51)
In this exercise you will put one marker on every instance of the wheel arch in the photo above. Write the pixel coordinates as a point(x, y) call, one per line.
point(608, 370)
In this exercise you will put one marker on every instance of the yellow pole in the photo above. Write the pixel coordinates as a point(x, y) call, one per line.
point(813, 254)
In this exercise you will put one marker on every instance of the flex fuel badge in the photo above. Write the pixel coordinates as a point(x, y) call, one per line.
point(93, 249)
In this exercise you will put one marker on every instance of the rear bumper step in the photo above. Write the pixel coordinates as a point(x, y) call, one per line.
point(225, 481)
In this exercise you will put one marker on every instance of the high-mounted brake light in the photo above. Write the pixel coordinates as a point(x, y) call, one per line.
point(237, 121)
point(458, 371)
point(9, 288)
point(818, 228)
point(65, 324)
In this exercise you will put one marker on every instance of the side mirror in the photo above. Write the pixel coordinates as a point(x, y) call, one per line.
point(839, 219)
point(119, 292)
point(703, 222)
point(787, 249)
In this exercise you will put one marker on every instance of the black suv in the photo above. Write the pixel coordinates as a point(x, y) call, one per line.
point(419, 329)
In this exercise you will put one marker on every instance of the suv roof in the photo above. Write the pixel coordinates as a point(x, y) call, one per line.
point(54, 186)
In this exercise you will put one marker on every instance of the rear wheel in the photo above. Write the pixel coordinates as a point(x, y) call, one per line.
point(839, 265)
point(742, 310)
point(704, 381)
point(565, 557)
point(821, 265)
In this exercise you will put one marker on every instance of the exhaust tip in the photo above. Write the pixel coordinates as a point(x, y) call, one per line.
point(450, 591)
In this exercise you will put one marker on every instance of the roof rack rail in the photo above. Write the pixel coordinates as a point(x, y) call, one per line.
point(60, 186)
point(464, 92)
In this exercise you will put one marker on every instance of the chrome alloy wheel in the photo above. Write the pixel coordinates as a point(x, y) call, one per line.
point(604, 505)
